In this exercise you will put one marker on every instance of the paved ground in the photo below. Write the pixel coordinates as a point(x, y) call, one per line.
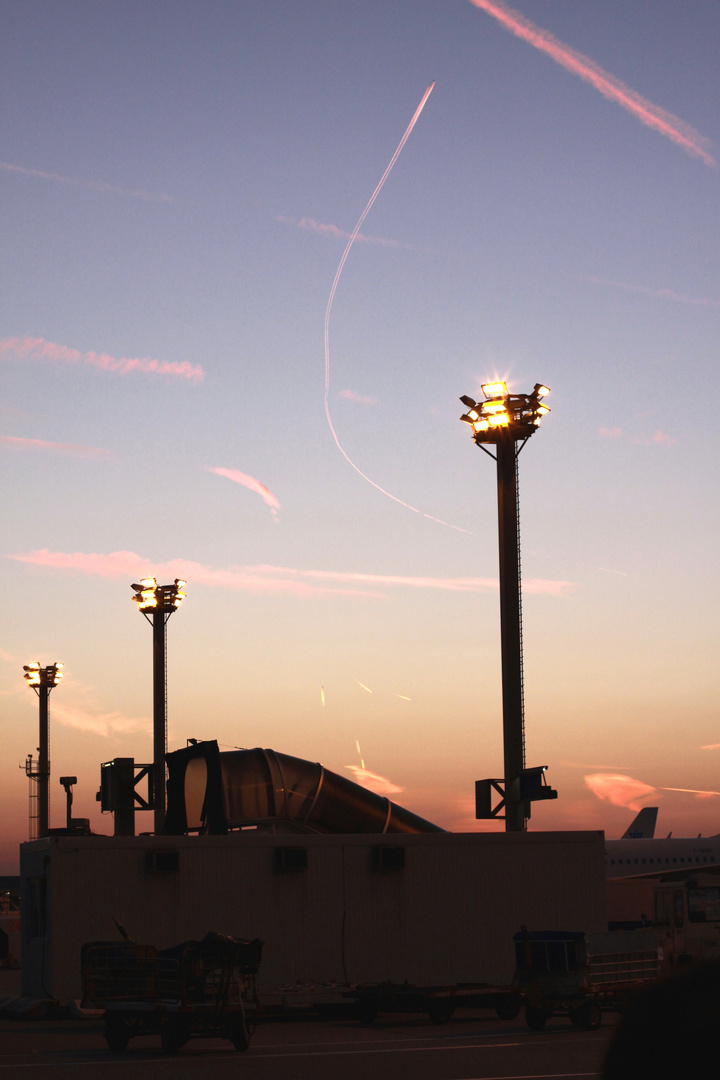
point(469, 1047)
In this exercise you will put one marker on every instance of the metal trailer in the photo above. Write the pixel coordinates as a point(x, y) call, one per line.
point(439, 1002)
point(575, 974)
point(197, 988)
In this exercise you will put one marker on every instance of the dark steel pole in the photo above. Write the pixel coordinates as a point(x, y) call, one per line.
point(43, 761)
point(510, 631)
point(159, 717)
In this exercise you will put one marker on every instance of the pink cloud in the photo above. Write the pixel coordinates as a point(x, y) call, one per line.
point(337, 234)
point(613, 89)
point(660, 438)
point(89, 185)
point(352, 395)
point(373, 781)
point(662, 294)
point(251, 483)
point(265, 579)
point(711, 746)
point(55, 448)
point(620, 790)
point(39, 349)
point(610, 432)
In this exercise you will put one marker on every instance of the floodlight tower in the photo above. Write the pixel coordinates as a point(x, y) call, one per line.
point(506, 421)
point(157, 603)
point(42, 680)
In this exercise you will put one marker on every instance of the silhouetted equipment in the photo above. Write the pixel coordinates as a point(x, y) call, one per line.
point(507, 421)
point(210, 791)
point(198, 988)
point(73, 826)
point(42, 680)
point(531, 786)
point(157, 603)
point(118, 792)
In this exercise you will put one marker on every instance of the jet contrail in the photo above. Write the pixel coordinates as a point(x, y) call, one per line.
point(251, 483)
point(614, 89)
point(336, 279)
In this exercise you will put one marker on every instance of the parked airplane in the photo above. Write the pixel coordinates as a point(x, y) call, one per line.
point(638, 854)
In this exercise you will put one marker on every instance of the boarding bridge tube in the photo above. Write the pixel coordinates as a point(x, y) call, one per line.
point(210, 791)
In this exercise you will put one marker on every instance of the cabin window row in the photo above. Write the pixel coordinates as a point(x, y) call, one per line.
point(644, 862)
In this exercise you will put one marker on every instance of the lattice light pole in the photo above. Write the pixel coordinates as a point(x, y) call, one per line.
point(42, 680)
point(506, 421)
point(157, 603)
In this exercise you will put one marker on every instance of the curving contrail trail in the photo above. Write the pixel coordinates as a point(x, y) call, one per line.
point(336, 279)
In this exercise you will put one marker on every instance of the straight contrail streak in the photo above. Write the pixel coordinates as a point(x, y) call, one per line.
point(336, 279)
point(614, 89)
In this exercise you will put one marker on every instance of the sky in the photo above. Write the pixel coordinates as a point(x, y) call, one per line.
point(203, 378)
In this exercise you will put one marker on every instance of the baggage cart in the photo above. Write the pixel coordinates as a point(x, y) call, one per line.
point(198, 988)
point(579, 975)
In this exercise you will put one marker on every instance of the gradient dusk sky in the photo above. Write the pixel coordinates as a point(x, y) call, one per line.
point(179, 184)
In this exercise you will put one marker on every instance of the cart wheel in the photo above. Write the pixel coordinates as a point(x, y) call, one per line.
point(508, 1007)
point(586, 1016)
point(440, 1012)
point(238, 1033)
point(174, 1034)
point(536, 1018)
point(117, 1034)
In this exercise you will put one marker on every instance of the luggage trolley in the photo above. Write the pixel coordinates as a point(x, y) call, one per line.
point(195, 989)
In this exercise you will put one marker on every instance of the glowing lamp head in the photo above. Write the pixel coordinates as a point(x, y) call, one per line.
point(495, 389)
point(496, 406)
point(32, 673)
point(499, 419)
point(540, 391)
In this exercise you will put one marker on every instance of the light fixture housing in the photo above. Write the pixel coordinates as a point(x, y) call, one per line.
point(503, 415)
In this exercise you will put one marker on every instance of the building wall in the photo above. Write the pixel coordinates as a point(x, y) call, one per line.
point(448, 916)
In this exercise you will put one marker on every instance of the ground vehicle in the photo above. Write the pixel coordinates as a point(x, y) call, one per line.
point(197, 988)
point(579, 974)
point(687, 919)
point(439, 1002)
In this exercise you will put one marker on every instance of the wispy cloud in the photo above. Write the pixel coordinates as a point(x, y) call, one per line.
point(694, 791)
point(660, 294)
point(251, 483)
point(27, 348)
point(88, 185)
point(711, 746)
point(373, 781)
point(69, 449)
point(310, 225)
point(267, 579)
point(610, 87)
point(660, 438)
point(620, 790)
point(360, 399)
point(610, 432)
point(100, 723)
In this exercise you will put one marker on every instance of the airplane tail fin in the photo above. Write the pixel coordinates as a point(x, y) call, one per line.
point(643, 826)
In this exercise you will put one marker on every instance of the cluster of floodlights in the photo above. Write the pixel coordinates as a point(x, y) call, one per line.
point(43, 676)
point(517, 414)
point(149, 596)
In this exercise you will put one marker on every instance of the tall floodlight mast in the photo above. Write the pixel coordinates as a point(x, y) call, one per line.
point(157, 603)
point(506, 421)
point(42, 680)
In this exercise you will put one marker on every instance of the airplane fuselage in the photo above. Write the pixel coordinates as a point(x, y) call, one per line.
point(649, 858)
